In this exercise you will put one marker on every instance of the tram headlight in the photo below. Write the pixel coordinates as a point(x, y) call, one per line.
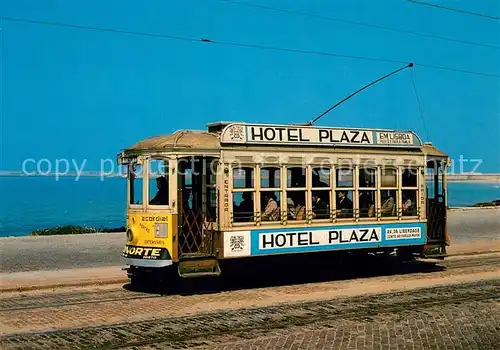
point(130, 235)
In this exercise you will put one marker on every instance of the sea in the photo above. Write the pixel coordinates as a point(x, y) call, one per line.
point(32, 203)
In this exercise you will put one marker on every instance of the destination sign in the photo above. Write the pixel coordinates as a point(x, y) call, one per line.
point(286, 134)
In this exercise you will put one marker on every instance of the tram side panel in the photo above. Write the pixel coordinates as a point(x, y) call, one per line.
point(271, 241)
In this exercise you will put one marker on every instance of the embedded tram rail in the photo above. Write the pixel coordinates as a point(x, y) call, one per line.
point(454, 300)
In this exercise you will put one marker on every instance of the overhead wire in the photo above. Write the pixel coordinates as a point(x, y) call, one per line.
point(426, 134)
point(367, 25)
point(454, 9)
point(245, 45)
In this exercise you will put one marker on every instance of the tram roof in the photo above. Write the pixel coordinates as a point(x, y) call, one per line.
point(237, 133)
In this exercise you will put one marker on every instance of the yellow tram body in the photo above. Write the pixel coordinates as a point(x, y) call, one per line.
point(241, 190)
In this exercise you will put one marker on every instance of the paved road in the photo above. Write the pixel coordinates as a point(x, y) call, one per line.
point(96, 250)
point(452, 305)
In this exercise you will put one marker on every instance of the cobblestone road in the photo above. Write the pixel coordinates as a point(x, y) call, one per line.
point(456, 316)
point(362, 313)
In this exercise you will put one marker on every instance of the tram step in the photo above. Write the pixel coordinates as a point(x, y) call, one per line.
point(198, 265)
point(435, 251)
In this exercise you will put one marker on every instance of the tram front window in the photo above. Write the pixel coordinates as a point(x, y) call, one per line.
point(158, 182)
point(135, 184)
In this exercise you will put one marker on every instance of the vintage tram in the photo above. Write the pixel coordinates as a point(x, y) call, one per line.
point(242, 190)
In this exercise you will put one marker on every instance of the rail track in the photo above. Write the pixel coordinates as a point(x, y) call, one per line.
point(29, 301)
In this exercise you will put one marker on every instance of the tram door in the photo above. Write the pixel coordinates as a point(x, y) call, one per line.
point(436, 201)
point(197, 200)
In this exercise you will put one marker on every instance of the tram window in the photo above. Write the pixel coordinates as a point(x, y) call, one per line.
point(389, 203)
point(345, 178)
point(135, 178)
point(270, 177)
point(367, 194)
point(389, 177)
point(296, 193)
point(321, 204)
point(321, 193)
point(367, 177)
point(243, 194)
point(409, 177)
point(243, 178)
point(243, 208)
point(211, 203)
point(367, 203)
point(409, 204)
point(296, 177)
point(320, 177)
point(211, 192)
point(344, 204)
point(158, 182)
point(296, 205)
point(270, 205)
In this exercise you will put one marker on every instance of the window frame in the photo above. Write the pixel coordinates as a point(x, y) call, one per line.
point(330, 189)
point(131, 187)
point(255, 180)
point(375, 189)
point(146, 183)
point(305, 190)
point(397, 201)
point(341, 167)
point(416, 189)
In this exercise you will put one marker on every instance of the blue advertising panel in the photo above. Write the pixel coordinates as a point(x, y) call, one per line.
point(335, 237)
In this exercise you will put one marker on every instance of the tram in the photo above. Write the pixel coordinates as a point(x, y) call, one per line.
point(241, 190)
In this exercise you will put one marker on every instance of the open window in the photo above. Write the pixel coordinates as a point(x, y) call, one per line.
point(389, 192)
point(321, 193)
point(243, 194)
point(296, 193)
point(409, 183)
point(367, 192)
point(158, 182)
point(344, 192)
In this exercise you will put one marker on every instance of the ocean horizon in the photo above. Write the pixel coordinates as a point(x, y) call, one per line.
point(33, 203)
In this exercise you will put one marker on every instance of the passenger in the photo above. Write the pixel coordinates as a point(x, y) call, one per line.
point(161, 197)
point(271, 209)
point(245, 209)
point(407, 205)
point(300, 212)
point(319, 208)
point(365, 203)
point(344, 204)
point(387, 208)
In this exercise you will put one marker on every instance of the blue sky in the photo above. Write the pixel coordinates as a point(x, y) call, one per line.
point(84, 94)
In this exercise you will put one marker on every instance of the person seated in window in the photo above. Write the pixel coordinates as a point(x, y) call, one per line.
point(365, 204)
point(161, 197)
point(344, 204)
point(387, 208)
point(245, 209)
point(319, 207)
point(291, 211)
point(407, 205)
point(271, 209)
